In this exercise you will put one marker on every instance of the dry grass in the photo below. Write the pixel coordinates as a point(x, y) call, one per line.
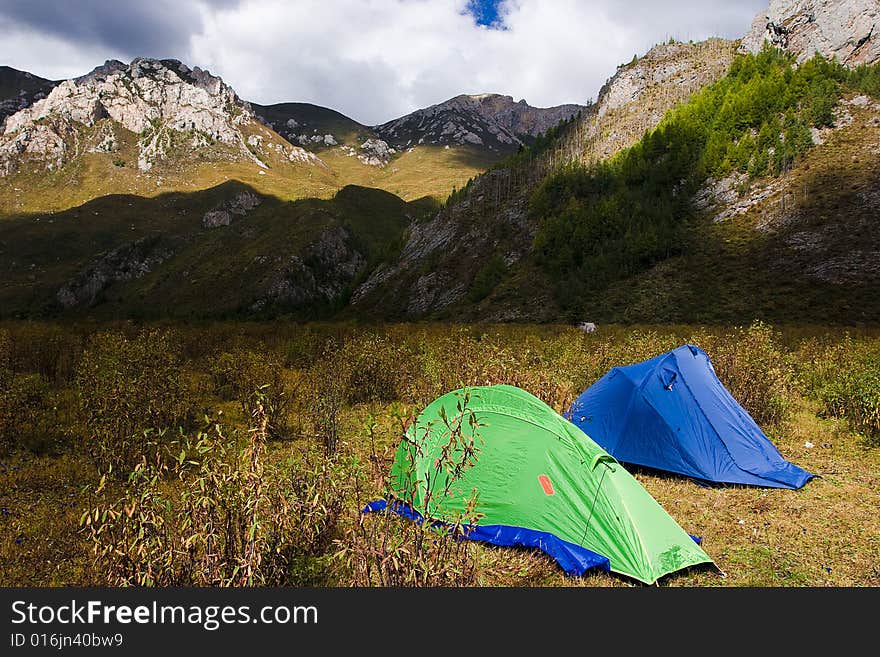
point(425, 171)
point(826, 534)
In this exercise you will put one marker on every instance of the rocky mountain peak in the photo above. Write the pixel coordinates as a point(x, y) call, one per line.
point(149, 97)
point(846, 30)
point(493, 121)
point(101, 72)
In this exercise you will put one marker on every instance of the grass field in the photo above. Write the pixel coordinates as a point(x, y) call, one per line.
point(423, 171)
point(78, 398)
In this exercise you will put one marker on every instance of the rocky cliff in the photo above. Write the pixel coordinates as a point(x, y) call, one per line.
point(640, 93)
point(155, 99)
point(846, 30)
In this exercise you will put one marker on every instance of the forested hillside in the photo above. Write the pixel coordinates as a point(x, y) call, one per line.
point(609, 220)
point(759, 181)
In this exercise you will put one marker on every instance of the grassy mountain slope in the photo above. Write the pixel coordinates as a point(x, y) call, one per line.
point(628, 239)
point(450, 265)
point(15, 83)
point(134, 256)
point(809, 252)
point(422, 171)
point(293, 119)
point(601, 226)
point(90, 175)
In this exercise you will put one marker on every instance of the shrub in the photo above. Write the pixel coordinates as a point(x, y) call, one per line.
point(125, 387)
point(28, 417)
point(323, 400)
point(844, 377)
point(386, 550)
point(304, 348)
point(6, 380)
point(252, 378)
point(45, 349)
point(371, 366)
point(487, 279)
point(756, 371)
point(28, 408)
point(216, 514)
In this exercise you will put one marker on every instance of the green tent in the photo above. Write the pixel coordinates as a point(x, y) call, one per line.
point(539, 481)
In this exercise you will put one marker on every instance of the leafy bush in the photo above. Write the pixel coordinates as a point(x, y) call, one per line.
point(6, 380)
point(252, 378)
point(45, 349)
point(371, 367)
point(126, 387)
point(28, 414)
point(367, 368)
point(28, 407)
point(390, 551)
point(216, 514)
point(323, 407)
point(304, 348)
point(756, 371)
point(845, 378)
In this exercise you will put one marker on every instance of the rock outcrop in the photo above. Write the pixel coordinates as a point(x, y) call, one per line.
point(151, 98)
point(375, 152)
point(124, 263)
point(522, 119)
point(639, 94)
point(228, 211)
point(319, 274)
point(846, 30)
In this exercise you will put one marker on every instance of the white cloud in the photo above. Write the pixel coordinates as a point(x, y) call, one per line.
point(377, 59)
point(49, 56)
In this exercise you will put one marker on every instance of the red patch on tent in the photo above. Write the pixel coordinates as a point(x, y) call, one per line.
point(546, 484)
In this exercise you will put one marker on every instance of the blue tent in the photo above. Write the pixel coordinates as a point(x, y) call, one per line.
point(672, 413)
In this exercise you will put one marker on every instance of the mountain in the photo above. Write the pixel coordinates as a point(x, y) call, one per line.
point(157, 100)
point(489, 121)
point(488, 126)
point(145, 128)
point(156, 126)
point(312, 126)
point(20, 89)
point(491, 223)
point(710, 182)
point(702, 186)
point(224, 251)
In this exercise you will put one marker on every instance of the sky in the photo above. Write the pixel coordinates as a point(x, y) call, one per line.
point(373, 60)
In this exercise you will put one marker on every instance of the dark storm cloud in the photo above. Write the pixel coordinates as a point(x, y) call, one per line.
point(371, 59)
point(159, 27)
